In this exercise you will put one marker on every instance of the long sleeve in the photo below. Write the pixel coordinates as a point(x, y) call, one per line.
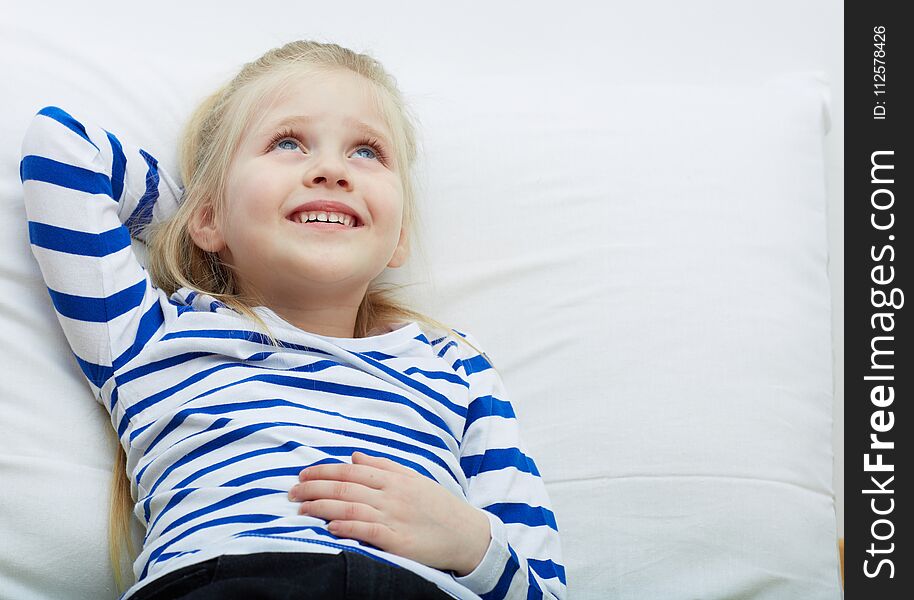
point(524, 558)
point(85, 194)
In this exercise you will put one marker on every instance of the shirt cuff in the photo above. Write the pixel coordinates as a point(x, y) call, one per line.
point(487, 573)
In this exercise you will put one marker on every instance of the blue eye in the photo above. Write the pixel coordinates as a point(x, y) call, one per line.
point(373, 155)
point(279, 144)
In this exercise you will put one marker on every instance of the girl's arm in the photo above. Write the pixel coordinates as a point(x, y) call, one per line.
point(85, 193)
point(524, 558)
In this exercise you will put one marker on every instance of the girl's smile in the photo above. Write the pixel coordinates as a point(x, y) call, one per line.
point(326, 226)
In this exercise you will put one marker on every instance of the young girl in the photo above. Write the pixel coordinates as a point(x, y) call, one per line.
point(346, 452)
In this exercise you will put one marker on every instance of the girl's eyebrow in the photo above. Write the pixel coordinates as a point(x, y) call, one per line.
point(361, 126)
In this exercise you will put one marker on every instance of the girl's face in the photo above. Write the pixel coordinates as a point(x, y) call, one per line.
point(325, 140)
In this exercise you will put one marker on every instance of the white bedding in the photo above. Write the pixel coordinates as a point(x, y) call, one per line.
point(643, 253)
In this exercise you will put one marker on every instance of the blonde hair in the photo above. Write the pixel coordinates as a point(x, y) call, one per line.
point(208, 143)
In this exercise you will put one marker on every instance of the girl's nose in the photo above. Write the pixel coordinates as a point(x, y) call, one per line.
point(328, 170)
point(320, 179)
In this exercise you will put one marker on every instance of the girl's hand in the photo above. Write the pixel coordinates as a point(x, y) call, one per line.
point(378, 501)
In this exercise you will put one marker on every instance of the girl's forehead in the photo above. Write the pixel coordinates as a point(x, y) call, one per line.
point(325, 89)
point(343, 95)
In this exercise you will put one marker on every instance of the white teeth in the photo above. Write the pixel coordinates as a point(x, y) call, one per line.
point(324, 217)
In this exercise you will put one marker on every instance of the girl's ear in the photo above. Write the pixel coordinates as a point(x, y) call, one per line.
point(204, 230)
point(401, 252)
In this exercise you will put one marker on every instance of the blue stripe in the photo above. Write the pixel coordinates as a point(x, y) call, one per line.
point(98, 310)
point(142, 214)
point(519, 512)
point(444, 349)
point(150, 323)
point(169, 555)
point(174, 501)
point(534, 592)
point(410, 449)
point(65, 119)
point(266, 474)
point(287, 447)
point(548, 569)
point(443, 375)
point(350, 390)
point(512, 565)
point(78, 242)
point(487, 406)
point(97, 374)
point(238, 498)
point(496, 459)
point(139, 430)
point(271, 531)
point(476, 364)
point(424, 390)
point(118, 166)
point(218, 409)
point(375, 354)
point(159, 365)
point(39, 168)
point(235, 334)
point(182, 309)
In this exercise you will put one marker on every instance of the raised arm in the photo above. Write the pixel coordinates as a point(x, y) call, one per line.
point(85, 192)
point(524, 558)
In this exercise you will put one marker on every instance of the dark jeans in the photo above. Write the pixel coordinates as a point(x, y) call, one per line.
point(291, 575)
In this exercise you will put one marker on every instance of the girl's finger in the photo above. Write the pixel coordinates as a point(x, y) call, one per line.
point(376, 534)
point(331, 510)
point(381, 463)
point(334, 490)
point(364, 474)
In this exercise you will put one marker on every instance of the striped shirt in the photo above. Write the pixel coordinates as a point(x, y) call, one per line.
point(217, 423)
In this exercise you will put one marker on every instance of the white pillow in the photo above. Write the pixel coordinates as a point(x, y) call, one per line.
point(647, 267)
point(645, 264)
